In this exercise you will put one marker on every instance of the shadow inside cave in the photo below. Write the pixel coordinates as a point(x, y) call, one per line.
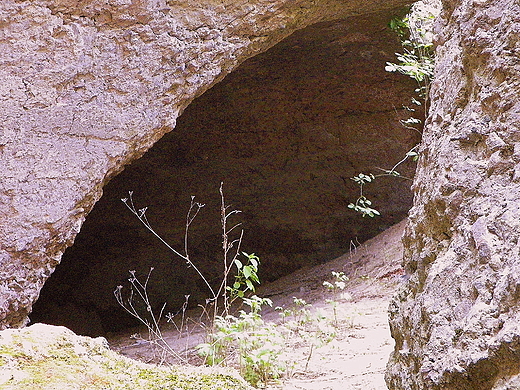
point(285, 132)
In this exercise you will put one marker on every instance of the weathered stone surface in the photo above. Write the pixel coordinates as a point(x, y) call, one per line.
point(456, 320)
point(284, 132)
point(51, 357)
point(89, 86)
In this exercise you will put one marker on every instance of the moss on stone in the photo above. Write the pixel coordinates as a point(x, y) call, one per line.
point(47, 357)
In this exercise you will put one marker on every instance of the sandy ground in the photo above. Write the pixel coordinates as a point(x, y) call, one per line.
point(356, 357)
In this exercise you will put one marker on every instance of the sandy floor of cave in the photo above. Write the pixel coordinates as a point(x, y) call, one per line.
point(357, 357)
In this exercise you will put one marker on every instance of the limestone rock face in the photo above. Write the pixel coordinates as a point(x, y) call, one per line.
point(456, 320)
point(89, 86)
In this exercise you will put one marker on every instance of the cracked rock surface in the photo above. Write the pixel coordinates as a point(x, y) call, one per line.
point(456, 320)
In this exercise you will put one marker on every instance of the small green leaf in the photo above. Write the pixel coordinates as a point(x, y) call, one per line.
point(246, 271)
point(411, 121)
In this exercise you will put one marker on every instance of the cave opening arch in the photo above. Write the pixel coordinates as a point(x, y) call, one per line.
point(284, 132)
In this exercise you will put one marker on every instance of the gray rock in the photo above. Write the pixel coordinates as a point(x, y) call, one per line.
point(456, 320)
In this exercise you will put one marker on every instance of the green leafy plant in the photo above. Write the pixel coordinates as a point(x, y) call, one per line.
point(248, 342)
point(258, 348)
point(362, 204)
point(337, 285)
point(317, 334)
point(301, 311)
point(301, 324)
point(138, 303)
point(417, 62)
point(246, 276)
point(244, 340)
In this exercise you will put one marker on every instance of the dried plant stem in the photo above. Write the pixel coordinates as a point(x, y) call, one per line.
point(139, 290)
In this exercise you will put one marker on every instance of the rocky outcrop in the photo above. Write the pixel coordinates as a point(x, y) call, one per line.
point(89, 86)
point(50, 357)
point(456, 320)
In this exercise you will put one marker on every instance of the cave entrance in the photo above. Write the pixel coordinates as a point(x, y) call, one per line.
point(284, 132)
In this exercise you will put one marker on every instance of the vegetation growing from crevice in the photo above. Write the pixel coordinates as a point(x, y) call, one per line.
point(417, 62)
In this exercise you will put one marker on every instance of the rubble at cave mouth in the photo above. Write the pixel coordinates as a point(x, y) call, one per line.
point(284, 132)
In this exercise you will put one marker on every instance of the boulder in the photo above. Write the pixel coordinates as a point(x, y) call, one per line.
point(53, 357)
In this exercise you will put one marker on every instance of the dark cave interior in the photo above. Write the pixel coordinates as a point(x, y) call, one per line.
point(284, 132)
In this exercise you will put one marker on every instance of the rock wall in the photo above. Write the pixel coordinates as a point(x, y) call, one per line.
point(456, 320)
point(89, 86)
